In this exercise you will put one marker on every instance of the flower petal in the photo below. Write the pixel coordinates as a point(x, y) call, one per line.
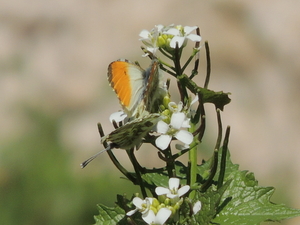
point(149, 217)
point(174, 183)
point(162, 190)
point(184, 136)
point(177, 120)
point(162, 127)
point(162, 215)
point(138, 202)
point(197, 207)
point(144, 34)
point(172, 31)
point(173, 196)
point(180, 106)
point(186, 124)
point(194, 37)
point(117, 116)
point(163, 141)
point(153, 50)
point(173, 106)
point(175, 40)
point(188, 29)
point(159, 27)
point(149, 200)
point(131, 212)
point(183, 190)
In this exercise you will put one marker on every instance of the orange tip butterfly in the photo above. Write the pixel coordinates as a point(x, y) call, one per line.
point(137, 89)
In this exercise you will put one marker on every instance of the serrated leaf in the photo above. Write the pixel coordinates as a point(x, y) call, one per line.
point(246, 202)
point(156, 179)
point(110, 216)
point(204, 169)
point(210, 201)
point(250, 203)
point(238, 201)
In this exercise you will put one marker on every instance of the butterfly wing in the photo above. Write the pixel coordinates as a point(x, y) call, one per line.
point(128, 81)
point(153, 88)
point(132, 133)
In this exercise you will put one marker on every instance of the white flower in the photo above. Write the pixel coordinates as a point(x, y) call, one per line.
point(173, 192)
point(197, 207)
point(149, 38)
point(159, 219)
point(147, 210)
point(141, 205)
point(178, 121)
point(117, 116)
point(175, 107)
point(181, 34)
point(190, 113)
point(166, 37)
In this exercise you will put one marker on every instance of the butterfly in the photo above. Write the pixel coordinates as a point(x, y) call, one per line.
point(128, 135)
point(137, 89)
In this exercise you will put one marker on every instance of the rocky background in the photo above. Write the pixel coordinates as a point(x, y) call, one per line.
point(53, 62)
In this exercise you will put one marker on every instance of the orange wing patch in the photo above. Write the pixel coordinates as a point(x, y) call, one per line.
point(120, 81)
point(136, 88)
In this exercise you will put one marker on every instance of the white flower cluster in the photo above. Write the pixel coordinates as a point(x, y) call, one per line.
point(174, 128)
point(166, 37)
point(158, 211)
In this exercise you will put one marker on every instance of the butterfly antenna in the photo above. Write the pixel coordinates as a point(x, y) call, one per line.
point(86, 162)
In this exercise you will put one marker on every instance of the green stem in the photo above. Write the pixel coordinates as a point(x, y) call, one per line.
point(170, 162)
point(208, 66)
point(165, 53)
point(114, 159)
point(193, 163)
point(219, 99)
point(137, 167)
point(195, 51)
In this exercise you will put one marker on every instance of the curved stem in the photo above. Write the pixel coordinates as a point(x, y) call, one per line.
point(195, 71)
point(137, 167)
point(114, 159)
point(214, 163)
point(223, 158)
point(208, 66)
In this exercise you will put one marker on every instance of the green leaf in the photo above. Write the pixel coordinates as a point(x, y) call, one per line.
point(156, 179)
point(110, 215)
point(240, 200)
point(250, 203)
point(210, 201)
point(244, 202)
point(117, 215)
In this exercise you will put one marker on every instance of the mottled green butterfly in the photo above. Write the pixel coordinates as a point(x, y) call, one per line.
point(128, 135)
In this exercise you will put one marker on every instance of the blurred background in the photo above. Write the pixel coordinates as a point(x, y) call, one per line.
point(53, 87)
